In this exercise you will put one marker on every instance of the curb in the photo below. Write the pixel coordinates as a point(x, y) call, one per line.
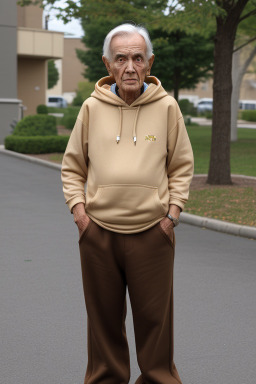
point(218, 225)
point(186, 218)
point(31, 159)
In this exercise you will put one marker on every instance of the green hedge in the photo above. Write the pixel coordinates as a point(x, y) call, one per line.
point(187, 108)
point(42, 109)
point(249, 115)
point(36, 144)
point(85, 88)
point(70, 116)
point(36, 125)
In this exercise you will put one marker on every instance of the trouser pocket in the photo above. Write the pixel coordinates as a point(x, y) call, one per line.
point(170, 240)
point(85, 232)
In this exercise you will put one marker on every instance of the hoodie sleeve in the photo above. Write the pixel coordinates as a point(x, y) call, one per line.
point(75, 161)
point(180, 160)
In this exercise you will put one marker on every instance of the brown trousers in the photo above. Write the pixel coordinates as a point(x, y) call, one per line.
point(143, 262)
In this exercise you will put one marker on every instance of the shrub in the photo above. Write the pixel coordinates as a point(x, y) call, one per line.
point(187, 108)
point(249, 115)
point(78, 100)
point(69, 118)
point(208, 114)
point(36, 125)
point(36, 144)
point(85, 88)
point(42, 109)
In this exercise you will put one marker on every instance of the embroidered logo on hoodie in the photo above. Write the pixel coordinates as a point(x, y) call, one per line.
point(150, 138)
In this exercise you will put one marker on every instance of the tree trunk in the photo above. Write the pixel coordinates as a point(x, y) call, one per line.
point(176, 85)
point(219, 171)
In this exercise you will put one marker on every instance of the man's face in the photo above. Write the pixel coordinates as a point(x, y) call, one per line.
point(129, 64)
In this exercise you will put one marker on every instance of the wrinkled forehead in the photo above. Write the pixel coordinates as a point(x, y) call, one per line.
point(128, 44)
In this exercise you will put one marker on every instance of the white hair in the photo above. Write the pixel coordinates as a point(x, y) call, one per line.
point(127, 29)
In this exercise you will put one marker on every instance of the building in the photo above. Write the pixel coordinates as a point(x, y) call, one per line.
point(35, 46)
point(25, 48)
point(70, 70)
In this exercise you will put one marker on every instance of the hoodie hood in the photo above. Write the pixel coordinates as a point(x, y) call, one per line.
point(154, 92)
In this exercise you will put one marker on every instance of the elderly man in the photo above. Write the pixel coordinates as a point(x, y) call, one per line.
point(130, 144)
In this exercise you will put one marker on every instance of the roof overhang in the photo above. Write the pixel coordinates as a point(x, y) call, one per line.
point(40, 43)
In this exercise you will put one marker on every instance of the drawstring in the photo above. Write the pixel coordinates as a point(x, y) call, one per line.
point(118, 137)
point(134, 126)
point(120, 125)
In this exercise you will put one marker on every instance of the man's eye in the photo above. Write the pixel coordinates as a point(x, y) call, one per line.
point(120, 59)
point(139, 59)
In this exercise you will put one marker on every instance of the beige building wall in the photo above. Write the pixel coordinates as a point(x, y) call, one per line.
point(247, 90)
point(30, 17)
point(72, 68)
point(35, 46)
point(32, 76)
point(203, 89)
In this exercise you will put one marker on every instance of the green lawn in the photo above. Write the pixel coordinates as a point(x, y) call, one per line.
point(230, 203)
point(243, 152)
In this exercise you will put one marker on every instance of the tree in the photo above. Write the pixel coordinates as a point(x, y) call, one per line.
point(220, 16)
point(219, 170)
point(181, 60)
point(94, 35)
point(53, 74)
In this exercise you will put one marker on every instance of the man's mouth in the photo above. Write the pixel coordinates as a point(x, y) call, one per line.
point(130, 80)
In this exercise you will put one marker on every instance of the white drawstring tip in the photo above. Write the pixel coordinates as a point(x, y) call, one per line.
point(134, 140)
point(117, 139)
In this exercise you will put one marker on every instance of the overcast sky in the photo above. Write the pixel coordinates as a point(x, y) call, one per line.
point(73, 28)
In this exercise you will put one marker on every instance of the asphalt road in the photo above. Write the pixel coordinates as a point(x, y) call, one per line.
point(42, 309)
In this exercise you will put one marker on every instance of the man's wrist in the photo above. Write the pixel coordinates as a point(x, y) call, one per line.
point(173, 219)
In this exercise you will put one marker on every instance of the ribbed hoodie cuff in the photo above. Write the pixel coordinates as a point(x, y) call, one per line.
point(178, 203)
point(72, 202)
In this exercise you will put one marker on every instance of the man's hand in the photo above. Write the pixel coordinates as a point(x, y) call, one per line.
point(80, 217)
point(166, 224)
point(167, 227)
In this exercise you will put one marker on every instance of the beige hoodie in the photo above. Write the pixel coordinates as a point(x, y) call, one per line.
point(137, 159)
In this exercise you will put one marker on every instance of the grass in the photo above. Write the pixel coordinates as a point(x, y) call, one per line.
point(242, 153)
point(56, 157)
point(235, 204)
point(232, 204)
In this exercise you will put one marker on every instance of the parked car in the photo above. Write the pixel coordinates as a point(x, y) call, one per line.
point(204, 105)
point(57, 102)
point(247, 104)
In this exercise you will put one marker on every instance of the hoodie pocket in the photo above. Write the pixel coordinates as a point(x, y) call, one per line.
point(126, 204)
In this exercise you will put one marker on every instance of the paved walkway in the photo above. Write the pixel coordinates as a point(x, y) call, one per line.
point(43, 316)
point(240, 123)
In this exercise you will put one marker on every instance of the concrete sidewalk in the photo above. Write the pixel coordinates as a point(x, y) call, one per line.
point(202, 222)
point(208, 122)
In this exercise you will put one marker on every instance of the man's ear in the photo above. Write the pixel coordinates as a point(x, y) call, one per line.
point(106, 62)
point(150, 63)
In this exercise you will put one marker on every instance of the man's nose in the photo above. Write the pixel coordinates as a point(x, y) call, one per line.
point(129, 67)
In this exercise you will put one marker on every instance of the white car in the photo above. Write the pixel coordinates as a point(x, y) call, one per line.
point(57, 102)
point(204, 105)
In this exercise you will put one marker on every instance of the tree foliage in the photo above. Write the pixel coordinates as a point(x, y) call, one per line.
point(53, 74)
point(181, 60)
